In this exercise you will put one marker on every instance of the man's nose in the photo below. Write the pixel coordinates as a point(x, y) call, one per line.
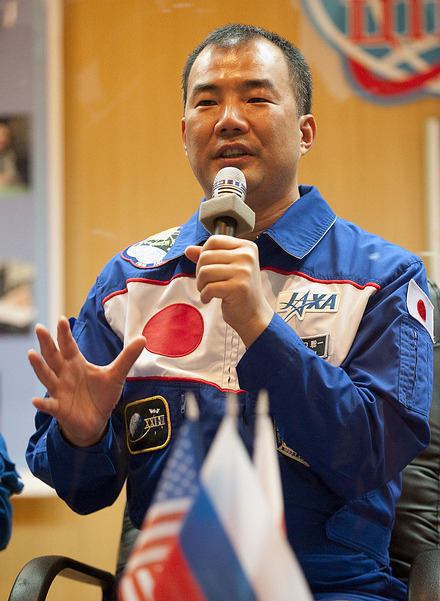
point(232, 119)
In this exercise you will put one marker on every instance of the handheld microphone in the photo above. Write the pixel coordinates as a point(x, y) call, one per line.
point(226, 212)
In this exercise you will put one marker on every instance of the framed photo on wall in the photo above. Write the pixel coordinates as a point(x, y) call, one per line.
point(31, 204)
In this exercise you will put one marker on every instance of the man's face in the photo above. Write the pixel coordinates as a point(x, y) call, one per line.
point(241, 112)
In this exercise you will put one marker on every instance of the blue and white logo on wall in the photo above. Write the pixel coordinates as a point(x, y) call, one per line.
point(390, 48)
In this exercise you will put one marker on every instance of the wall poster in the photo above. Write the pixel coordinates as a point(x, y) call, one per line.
point(390, 49)
point(30, 207)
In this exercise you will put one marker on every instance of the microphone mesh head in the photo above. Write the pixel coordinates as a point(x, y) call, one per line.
point(229, 180)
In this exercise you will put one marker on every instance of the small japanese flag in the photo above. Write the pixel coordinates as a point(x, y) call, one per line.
point(420, 307)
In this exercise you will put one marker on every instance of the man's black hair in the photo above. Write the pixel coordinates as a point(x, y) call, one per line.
point(236, 34)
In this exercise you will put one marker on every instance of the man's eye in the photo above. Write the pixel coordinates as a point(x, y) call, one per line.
point(206, 103)
point(258, 99)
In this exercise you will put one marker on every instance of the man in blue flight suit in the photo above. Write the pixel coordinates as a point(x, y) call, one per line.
point(335, 323)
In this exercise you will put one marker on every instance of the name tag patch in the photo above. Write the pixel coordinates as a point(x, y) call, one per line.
point(318, 344)
point(148, 425)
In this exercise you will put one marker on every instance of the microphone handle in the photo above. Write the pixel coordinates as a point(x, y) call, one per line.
point(225, 225)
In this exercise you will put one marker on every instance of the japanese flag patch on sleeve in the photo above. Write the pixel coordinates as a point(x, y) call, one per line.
point(420, 307)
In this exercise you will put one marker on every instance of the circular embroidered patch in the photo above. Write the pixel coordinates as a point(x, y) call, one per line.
point(175, 331)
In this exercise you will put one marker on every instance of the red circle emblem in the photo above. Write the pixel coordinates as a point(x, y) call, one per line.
point(421, 308)
point(175, 331)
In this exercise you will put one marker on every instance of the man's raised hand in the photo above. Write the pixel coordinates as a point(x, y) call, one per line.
point(82, 396)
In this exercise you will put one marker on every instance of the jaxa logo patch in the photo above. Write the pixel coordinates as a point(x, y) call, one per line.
point(148, 425)
point(299, 303)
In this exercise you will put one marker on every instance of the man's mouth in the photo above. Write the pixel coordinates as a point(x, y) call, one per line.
point(232, 153)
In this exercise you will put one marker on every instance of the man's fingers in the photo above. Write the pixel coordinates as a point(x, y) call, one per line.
point(193, 253)
point(223, 242)
point(47, 405)
point(125, 360)
point(217, 272)
point(66, 342)
point(44, 373)
point(48, 348)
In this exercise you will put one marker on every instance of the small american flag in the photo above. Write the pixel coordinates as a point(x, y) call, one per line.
point(176, 491)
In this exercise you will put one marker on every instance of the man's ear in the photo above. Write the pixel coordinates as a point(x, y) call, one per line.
point(183, 130)
point(307, 125)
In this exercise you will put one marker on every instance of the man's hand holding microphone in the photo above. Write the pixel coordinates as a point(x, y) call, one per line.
point(228, 266)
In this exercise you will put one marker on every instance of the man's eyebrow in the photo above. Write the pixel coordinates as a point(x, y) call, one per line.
point(248, 84)
point(204, 87)
point(259, 83)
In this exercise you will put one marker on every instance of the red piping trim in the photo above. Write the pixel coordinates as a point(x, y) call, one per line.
point(172, 379)
point(147, 281)
point(274, 269)
point(310, 279)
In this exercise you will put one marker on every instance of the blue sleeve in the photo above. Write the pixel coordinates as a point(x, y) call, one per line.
point(359, 424)
point(87, 479)
point(9, 484)
point(91, 478)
